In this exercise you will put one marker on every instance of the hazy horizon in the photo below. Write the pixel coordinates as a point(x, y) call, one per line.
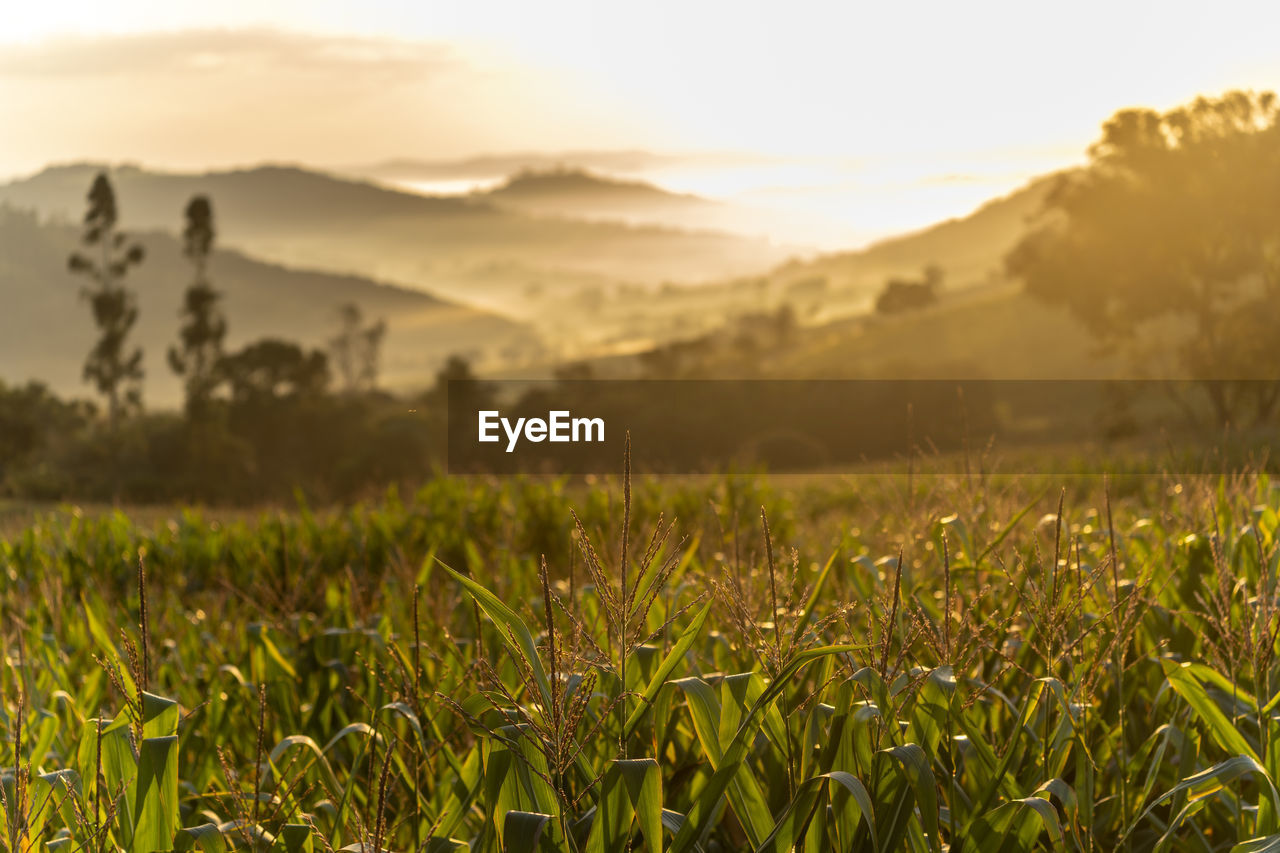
point(567, 190)
point(863, 122)
point(822, 204)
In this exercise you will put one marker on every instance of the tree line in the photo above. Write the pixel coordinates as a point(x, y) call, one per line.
point(114, 366)
point(256, 423)
point(1165, 245)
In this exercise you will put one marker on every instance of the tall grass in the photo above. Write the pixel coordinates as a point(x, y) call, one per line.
point(874, 665)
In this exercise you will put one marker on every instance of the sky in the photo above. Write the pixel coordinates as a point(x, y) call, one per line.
point(959, 99)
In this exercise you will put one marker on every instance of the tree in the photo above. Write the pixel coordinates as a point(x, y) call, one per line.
point(457, 387)
point(205, 327)
point(1173, 219)
point(902, 294)
point(271, 369)
point(113, 366)
point(32, 418)
point(357, 349)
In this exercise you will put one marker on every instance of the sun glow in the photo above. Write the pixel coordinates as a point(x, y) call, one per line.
point(861, 111)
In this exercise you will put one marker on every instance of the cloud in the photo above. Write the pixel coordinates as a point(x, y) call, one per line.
point(226, 97)
point(214, 51)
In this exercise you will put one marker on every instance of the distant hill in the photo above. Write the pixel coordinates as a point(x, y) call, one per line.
point(502, 165)
point(590, 196)
point(982, 327)
point(832, 288)
point(447, 245)
point(577, 185)
point(970, 250)
point(987, 332)
point(46, 328)
point(831, 297)
point(549, 247)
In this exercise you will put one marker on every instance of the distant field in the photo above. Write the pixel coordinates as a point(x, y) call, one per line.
point(929, 663)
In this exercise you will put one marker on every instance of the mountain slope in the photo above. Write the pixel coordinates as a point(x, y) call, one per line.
point(46, 328)
point(595, 197)
point(568, 187)
point(490, 167)
point(448, 245)
point(970, 249)
point(996, 332)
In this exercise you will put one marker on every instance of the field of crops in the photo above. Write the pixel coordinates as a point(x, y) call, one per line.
point(742, 663)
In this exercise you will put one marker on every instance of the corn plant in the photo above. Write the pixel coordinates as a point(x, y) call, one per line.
point(963, 664)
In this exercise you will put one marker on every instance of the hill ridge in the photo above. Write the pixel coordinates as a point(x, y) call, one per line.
point(260, 300)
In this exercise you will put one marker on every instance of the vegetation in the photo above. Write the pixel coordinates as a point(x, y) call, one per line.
point(205, 327)
point(921, 662)
point(943, 664)
point(258, 422)
point(41, 336)
point(1171, 221)
point(114, 366)
point(901, 294)
point(281, 434)
point(478, 250)
point(356, 349)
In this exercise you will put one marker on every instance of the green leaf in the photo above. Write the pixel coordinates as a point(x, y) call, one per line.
point(49, 794)
point(632, 788)
point(207, 837)
point(463, 792)
point(1015, 827)
point(160, 716)
point(931, 713)
point(704, 807)
point(1182, 679)
point(850, 801)
point(294, 838)
point(903, 779)
point(681, 648)
point(709, 719)
point(295, 742)
point(105, 644)
point(120, 775)
point(515, 772)
point(1206, 783)
point(156, 797)
point(515, 634)
point(446, 845)
point(523, 831)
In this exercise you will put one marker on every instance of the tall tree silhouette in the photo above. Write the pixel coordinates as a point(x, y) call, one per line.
point(357, 349)
point(204, 325)
point(113, 365)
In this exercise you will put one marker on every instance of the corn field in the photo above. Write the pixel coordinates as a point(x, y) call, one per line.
point(957, 663)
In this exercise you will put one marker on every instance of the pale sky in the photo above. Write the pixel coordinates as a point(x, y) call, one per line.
point(939, 89)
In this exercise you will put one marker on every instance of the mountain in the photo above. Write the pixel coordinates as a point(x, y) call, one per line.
point(970, 250)
point(985, 332)
point(983, 325)
point(561, 186)
point(594, 197)
point(832, 288)
point(499, 166)
point(524, 249)
point(447, 245)
point(46, 328)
